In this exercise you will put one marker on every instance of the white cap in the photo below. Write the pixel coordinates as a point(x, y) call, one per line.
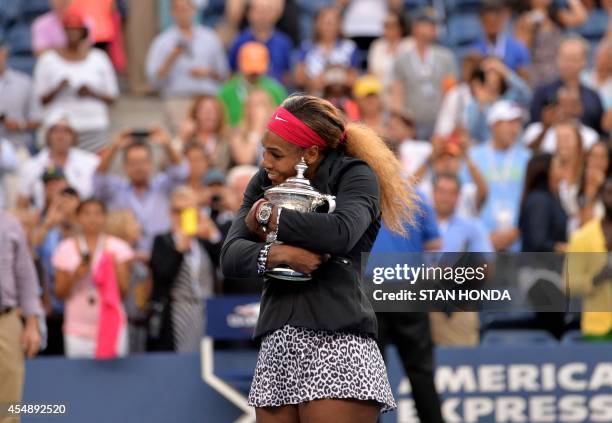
point(56, 117)
point(504, 110)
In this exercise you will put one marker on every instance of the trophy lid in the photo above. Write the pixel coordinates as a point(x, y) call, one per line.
point(297, 185)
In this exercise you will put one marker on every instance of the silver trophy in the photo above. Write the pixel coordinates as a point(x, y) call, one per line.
point(296, 194)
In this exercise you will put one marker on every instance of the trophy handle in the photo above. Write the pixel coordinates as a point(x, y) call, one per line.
point(331, 200)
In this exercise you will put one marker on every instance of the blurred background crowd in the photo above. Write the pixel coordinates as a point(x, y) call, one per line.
point(500, 110)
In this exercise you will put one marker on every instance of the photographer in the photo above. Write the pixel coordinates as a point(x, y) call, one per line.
point(92, 321)
point(143, 192)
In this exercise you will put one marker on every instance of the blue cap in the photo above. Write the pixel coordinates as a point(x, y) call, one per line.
point(214, 176)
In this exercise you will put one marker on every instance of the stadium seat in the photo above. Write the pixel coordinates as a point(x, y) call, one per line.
point(31, 9)
point(506, 320)
point(19, 38)
point(9, 12)
point(462, 30)
point(411, 5)
point(572, 337)
point(517, 337)
point(462, 6)
point(595, 27)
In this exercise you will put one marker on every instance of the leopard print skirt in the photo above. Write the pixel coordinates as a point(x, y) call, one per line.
point(297, 365)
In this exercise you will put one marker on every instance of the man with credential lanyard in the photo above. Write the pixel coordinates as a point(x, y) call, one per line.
point(502, 161)
point(319, 361)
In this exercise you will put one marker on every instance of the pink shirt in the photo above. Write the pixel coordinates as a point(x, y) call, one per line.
point(81, 317)
point(48, 32)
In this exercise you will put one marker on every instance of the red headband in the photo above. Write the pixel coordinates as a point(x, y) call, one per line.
point(291, 129)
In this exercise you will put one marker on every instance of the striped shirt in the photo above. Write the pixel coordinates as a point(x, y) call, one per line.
point(19, 285)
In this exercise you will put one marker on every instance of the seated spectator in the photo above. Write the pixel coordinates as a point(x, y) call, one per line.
point(420, 75)
point(8, 165)
point(491, 82)
point(596, 170)
point(541, 136)
point(143, 192)
point(197, 160)
point(262, 16)
point(327, 48)
point(20, 112)
point(450, 156)
point(79, 80)
point(600, 80)
point(368, 91)
point(123, 225)
point(61, 152)
point(543, 221)
point(253, 61)
point(386, 49)
point(502, 161)
point(182, 266)
point(82, 279)
point(572, 60)
point(591, 273)
point(245, 141)
point(205, 125)
point(459, 234)
point(497, 42)
point(58, 222)
point(541, 29)
point(48, 30)
point(185, 61)
point(452, 113)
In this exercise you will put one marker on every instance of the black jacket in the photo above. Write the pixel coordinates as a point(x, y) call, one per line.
point(543, 222)
point(334, 299)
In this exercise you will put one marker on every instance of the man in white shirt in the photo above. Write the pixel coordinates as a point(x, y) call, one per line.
point(77, 165)
point(184, 61)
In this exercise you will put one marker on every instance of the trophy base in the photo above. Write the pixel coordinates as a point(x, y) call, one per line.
point(287, 274)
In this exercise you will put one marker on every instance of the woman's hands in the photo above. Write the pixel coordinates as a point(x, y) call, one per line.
point(298, 259)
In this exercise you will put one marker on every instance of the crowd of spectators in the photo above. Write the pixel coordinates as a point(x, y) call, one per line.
point(507, 138)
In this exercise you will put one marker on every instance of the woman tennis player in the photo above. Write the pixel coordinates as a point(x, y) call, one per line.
point(318, 361)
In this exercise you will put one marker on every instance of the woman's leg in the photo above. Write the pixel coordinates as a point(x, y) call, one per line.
point(339, 411)
point(284, 414)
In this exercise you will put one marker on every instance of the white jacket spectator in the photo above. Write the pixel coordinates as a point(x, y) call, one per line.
point(77, 165)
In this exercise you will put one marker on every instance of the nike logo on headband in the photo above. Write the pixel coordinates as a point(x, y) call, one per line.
point(277, 117)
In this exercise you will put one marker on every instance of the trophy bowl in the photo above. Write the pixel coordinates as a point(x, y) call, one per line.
point(296, 194)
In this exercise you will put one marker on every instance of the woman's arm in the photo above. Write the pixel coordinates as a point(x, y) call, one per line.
point(122, 272)
point(65, 281)
point(482, 190)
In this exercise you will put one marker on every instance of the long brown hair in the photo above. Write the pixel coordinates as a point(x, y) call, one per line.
point(397, 198)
